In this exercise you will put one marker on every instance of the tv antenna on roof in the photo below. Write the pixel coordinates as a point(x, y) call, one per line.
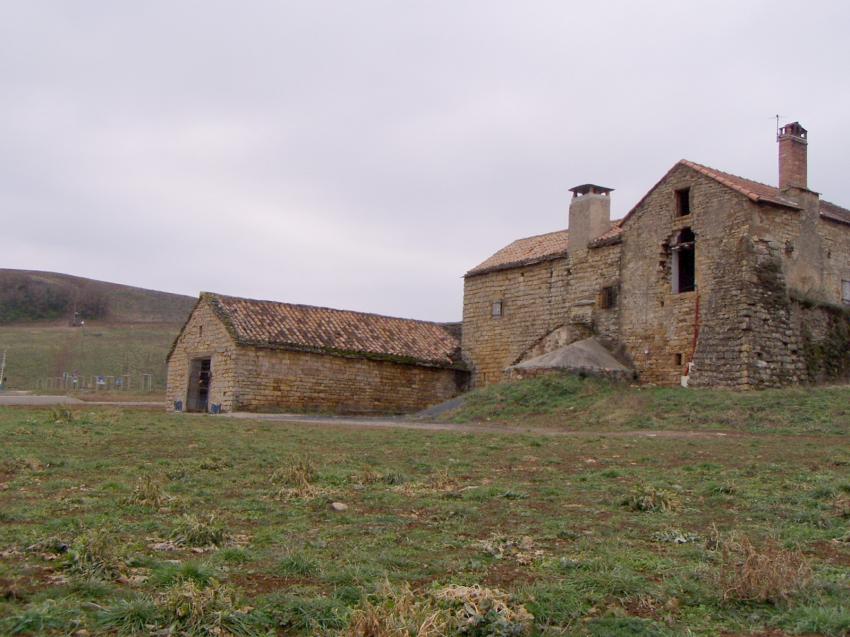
point(777, 116)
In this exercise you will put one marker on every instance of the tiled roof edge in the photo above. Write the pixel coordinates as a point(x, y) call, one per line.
point(343, 353)
point(518, 264)
point(223, 315)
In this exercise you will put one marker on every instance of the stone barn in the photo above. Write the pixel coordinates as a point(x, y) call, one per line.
point(236, 354)
point(711, 279)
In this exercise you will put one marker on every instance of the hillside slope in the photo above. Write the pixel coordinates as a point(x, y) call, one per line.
point(128, 330)
point(28, 295)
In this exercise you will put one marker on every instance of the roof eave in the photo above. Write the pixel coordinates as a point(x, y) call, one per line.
point(378, 356)
point(517, 264)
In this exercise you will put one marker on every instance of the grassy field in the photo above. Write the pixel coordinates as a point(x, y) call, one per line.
point(37, 350)
point(122, 522)
point(571, 403)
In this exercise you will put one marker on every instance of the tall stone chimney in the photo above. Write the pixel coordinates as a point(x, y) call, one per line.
point(590, 215)
point(793, 140)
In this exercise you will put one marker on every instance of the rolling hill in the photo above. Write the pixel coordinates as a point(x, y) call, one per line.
point(128, 330)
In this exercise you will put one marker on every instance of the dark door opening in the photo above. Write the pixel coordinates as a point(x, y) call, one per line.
point(200, 379)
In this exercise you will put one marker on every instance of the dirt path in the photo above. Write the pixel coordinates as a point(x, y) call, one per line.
point(13, 399)
point(400, 423)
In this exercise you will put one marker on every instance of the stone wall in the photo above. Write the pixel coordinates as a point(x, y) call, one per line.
point(282, 380)
point(825, 340)
point(544, 306)
point(204, 336)
point(533, 304)
point(664, 330)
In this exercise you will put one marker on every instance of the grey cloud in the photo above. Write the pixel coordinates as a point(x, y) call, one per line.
point(365, 154)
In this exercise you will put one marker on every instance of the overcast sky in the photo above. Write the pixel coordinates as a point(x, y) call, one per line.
point(364, 155)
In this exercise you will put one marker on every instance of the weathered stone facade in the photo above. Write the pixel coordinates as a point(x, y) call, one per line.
point(711, 277)
point(286, 376)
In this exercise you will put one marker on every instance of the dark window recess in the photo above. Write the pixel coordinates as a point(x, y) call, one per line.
point(679, 360)
point(608, 297)
point(684, 262)
point(200, 331)
point(683, 202)
point(497, 309)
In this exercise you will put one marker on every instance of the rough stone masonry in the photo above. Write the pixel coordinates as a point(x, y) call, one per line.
point(710, 280)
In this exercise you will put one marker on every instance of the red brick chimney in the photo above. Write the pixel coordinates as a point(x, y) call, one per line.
point(793, 140)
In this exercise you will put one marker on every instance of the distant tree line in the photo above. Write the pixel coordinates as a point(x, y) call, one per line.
point(24, 298)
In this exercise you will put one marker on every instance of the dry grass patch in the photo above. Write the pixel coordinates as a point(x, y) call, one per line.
point(297, 479)
point(452, 610)
point(766, 574)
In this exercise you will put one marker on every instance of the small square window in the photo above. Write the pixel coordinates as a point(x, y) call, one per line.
point(683, 202)
point(496, 310)
point(845, 292)
point(679, 359)
point(608, 297)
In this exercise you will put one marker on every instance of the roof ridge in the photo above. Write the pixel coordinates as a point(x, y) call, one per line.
point(321, 307)
point(726, 172)
point(542, 234)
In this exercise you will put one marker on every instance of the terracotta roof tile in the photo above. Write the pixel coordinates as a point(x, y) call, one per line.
point(834, 212)
point(755, 190)
point(612, 236)
point(341, 332)
point(527, 251)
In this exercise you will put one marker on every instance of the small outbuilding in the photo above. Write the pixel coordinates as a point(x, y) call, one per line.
point(236, 354)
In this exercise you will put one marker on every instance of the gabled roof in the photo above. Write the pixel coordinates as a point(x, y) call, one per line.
point(322, 330)
point(527, 251)
point(554, 245)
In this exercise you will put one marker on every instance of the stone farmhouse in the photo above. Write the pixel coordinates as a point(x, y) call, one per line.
point(238, 354)
point(710, 280)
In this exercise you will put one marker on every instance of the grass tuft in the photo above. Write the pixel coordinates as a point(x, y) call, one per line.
point(651, 499)
point(130, 616)
point(97, 554)
point(199, 531)
point(148, 491)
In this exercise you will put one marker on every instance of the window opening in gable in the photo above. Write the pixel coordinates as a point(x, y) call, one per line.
point(683, 202)
point(496, 310)
point(684, 262)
